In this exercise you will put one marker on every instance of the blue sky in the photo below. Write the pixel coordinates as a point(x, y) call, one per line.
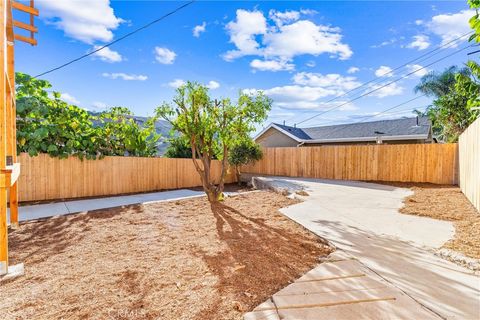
point(301, 54)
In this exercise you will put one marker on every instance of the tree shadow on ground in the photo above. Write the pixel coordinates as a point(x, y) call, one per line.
point(418, 272)
point(259, 255)
point(35, 241)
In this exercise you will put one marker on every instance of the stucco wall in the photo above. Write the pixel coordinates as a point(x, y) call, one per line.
point(273, 138)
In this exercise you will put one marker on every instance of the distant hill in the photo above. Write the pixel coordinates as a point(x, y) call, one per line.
point(162, 127)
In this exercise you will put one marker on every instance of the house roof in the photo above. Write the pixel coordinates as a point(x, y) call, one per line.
point(397, 129)
point(297, 132)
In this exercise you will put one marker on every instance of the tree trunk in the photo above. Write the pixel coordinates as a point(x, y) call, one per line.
point(238, 174)
point(213, 194)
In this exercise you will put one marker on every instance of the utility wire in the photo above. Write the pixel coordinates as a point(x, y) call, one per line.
point(118, 40)
point(364, 118)
point(340, 127)
point(430, 54)
point(389, 109)
point(385, 85)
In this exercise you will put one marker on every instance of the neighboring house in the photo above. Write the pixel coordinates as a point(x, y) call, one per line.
point(398, 131)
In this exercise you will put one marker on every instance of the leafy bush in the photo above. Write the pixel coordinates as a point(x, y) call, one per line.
point(457, 97)
point(179, 148)
point(244, 152)
point(47, 124)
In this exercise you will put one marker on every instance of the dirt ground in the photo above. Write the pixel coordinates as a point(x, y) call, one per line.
point(175, 260)
point(447, 203)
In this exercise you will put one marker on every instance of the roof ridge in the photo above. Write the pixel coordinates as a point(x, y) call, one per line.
point(347, 124)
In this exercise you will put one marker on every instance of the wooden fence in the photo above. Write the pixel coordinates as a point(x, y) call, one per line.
point(44, 177)
point(435, 163)
point(47, 178)
point(469, 164)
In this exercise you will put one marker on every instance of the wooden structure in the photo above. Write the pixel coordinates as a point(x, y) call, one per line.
point(469, 164)
point(435, 163)
point(47, 178)
point(9, 166)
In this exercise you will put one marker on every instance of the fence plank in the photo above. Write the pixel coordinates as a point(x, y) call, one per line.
point(469, 163)
point(47, 178)
point(434, 163)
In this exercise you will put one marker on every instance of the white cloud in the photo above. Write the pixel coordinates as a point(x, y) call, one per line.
point(420, 42)
point(308, 12)
point(212, 85)
point(84, 20)
point(308, 89)
point(100, 106)
point(199, 29)
point(124, 76)
point(281, 18)
point(296, 93)
point(417, 69)
point(108, 55)
point(381, 92)
point(384, 71)
point(177, 83)
point(311, 64)
point(290, 37)
point(69, 98)
point(333, 81)
point(353, 70)
point(316, 106)
point(451, 26)
point(419, 22)
point(271, 65)
point(305, 37)
point(242, 33)
point(164, 55)
point(385, 43)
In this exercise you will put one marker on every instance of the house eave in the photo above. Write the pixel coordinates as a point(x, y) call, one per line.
point(272, 125)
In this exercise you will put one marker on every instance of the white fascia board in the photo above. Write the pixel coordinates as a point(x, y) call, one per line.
point(361, 139)
point(272, 125)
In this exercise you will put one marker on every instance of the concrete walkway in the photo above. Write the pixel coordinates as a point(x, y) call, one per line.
point(362, 219)
point(340, 288)
point(46, 210)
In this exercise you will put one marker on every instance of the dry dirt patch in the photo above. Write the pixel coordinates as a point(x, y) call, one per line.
point(175, 260)
point(445, 202)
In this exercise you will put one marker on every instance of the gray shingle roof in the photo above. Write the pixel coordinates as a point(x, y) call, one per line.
point(385, 128)
point(297, 132)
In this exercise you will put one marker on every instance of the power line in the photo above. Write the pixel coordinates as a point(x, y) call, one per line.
point(118, 40)
point(383, 86)
point(364, 118)
point(390, 109)
point(383, 112)
point(430, 54)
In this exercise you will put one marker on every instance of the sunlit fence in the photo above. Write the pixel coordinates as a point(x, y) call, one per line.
point(434, 163)
point(469, 164)
point(45, 178)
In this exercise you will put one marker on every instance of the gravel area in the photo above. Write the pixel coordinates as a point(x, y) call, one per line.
point(171, 260)
point(447, 203)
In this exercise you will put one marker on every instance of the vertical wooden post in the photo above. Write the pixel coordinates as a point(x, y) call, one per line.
point(3, 141)
point(12, 142)
point(3, 232)
point(13, 200)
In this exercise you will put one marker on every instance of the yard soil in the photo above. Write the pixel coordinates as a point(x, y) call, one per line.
point(445, 202)
point(172, 260)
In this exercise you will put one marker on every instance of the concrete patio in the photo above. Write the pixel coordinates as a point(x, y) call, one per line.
point(362, 220)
